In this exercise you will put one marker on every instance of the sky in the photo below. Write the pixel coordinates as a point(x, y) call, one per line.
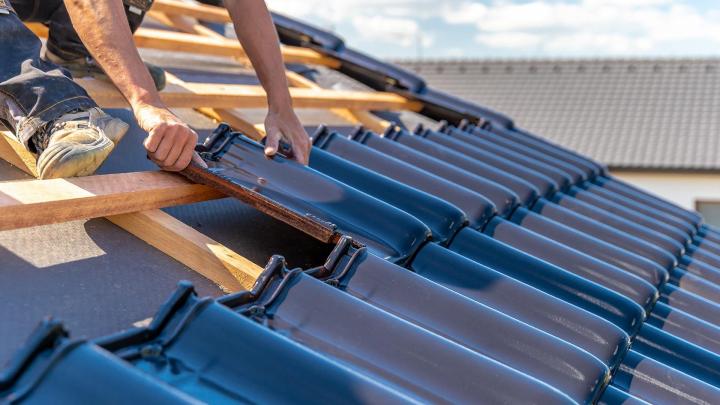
point(402, 29)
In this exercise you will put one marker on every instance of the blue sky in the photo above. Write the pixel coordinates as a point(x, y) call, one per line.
point(518, 28)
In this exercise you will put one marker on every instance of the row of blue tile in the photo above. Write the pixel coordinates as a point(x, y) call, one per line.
point(606, 290)
point(473, 283)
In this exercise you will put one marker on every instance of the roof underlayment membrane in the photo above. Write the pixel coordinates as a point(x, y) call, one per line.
point(471, 262)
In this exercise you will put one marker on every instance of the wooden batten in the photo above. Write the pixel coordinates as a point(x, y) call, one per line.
point(199, 11)
point(39, 202)
point(26, 203)
point(132, 200)
point(233, 116)
point(194, 95)
point(229, 270)
point(15, 153)
point(204, 45)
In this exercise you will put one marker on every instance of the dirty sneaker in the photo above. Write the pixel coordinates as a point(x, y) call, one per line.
point(77, 143)
point(86, 66)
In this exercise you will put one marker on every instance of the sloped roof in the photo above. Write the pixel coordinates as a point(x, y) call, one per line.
point(629, 113)
point(485, 265)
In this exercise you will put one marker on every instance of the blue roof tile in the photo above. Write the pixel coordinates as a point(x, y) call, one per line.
point(474, 263)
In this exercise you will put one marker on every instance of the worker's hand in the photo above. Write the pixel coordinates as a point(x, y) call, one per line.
point(170, 142)
point(283, 124)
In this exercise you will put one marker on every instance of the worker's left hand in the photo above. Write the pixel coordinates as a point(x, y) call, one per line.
point(283, 124)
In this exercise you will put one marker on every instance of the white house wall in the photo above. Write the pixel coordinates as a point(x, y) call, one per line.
point(682, 188)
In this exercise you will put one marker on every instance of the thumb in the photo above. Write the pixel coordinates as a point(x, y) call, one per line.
point(200, 162)
point(272, 143)
point(152, 141)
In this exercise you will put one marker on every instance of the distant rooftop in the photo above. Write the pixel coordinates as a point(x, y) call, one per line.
point(631, 114)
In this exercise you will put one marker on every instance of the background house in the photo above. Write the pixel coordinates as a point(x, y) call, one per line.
point(655, 122)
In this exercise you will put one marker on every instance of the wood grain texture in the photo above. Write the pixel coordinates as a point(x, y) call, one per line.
point(194, 95)
point(204, 45)
point(179, 9)
point(235, 119)
point(15, 153)
point(186, 24)
point(200, 11)
point(38, 202)
point(230, 271)
point(365, 118)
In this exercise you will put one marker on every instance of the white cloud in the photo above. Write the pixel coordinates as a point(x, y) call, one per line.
point(520, 27)
point(386, 21)
point(513, 40)
point(465, 13)
point(401, 31)
point(591, 26)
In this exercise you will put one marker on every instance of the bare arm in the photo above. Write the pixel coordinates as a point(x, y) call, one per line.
point(103, 28)
point(256, 32)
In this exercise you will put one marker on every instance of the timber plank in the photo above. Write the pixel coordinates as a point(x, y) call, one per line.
point(194, 95)
point(183, 243)
point(200, 11)
point(200, 44)
point(28, 203)
point(15, 153)
point(230, 271)
point(204, 45)
point(236, 119)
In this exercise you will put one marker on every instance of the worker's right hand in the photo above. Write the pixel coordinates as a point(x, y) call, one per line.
point(170, 142)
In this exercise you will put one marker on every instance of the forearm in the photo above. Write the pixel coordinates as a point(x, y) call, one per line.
point(256, 32)
point(103, 28)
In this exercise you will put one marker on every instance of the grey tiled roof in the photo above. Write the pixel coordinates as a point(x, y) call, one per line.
point(649, 114)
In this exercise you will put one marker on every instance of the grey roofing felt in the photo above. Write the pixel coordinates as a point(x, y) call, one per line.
point(645, 114)
point(99, 279)
point(90, 274)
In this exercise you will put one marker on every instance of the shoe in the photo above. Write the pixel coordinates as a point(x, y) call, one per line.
point(86, 66)
point(77, 143)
